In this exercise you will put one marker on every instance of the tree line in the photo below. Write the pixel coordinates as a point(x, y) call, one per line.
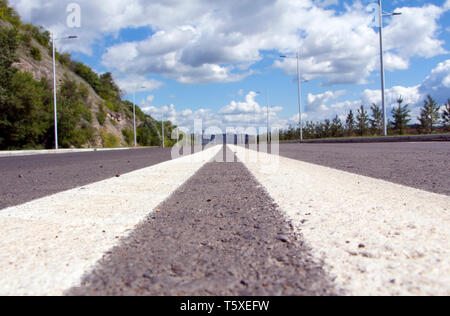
point(362, 123)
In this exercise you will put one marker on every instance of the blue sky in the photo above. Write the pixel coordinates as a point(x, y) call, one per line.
point(217, 61)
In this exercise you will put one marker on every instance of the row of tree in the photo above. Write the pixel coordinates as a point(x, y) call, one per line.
point(362, 123)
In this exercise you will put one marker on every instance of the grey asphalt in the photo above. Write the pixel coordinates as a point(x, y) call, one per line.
point(219, 234)
point(423, 165)
point(31, 177)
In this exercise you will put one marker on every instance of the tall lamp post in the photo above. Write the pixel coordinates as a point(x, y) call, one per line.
point(383, 77)
point(55, 108)
point(300, 106)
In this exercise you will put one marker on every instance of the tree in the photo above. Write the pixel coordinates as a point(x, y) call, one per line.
point(376, 122)
point(309, 130)
point(446, 115)
point(401, 116)
point(350, 123)
point(326, 127)
point(362, 121)
point(429, 115)
point(337, 128)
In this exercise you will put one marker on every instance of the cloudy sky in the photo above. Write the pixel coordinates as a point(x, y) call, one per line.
point(219, 60)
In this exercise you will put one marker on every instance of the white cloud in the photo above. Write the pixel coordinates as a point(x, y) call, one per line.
point(138, 83)
point(219, 41)
point(447, 5)
point(235, 114)
point(318, 102)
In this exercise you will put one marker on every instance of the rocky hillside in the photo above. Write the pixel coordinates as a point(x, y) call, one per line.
point(91, 104)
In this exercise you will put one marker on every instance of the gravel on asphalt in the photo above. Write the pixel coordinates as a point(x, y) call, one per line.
point(219, 234)
point(27, 178)
point(422, 166)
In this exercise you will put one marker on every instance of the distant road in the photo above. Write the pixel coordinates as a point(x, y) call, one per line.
point(31, 177)
point(419, 165)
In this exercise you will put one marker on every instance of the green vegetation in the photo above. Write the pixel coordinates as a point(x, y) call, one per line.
point(376, 121)
point(101, 114)
point(446, 116)
point(402, 117)
point(350, 123)
point(429, 115)
point(26, 105)
point(9, 14)
point(36, 53)
point(362, 121)
point(433, 119)
point(128, 135)
point(109, 140)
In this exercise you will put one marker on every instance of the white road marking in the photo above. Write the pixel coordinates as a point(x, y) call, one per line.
point(375, 237)
point(21, 153)
point(47, 245)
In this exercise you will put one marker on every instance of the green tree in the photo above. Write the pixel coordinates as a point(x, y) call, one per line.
point(376, 122)
point(362, 121)
point(28, 114)
point(401, 116)
point(350, 123)
point(327, 131)
point(9, 14)
point(309, 130)
point(73, 116)
point(337, 128)
point(446, 115)
point(429, 115)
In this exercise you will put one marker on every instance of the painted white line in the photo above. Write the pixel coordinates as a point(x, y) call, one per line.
point(48, 244)
point(20, 153)
point(375, 237)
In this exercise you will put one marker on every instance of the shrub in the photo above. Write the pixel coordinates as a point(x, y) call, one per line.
point(25, 38)
point(9, 14)
point(101, 115)
point(109, 140)
point(128, 136)
point(36, 53)
point(64, 59)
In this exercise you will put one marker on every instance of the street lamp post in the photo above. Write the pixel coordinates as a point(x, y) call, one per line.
point(163, 134)
point(383, 77)
point(55, 108)
point(300, 106)
point(268, 104)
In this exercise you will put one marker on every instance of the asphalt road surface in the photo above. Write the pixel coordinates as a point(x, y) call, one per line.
point(424, 166)
point(31, 177)
point(219, 234)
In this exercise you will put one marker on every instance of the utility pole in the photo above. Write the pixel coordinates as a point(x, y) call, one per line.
point(300, 123)
point(163, 135)
point(55, 108)
point(268, 104)
point(300, 105)
point(383, 75)
point(54, 93)
point(383, 83)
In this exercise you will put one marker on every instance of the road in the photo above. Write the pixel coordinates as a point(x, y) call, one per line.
point(424, 166)
point(31, 177)
point(420, 165)
point(219, 234)
point(198, 227)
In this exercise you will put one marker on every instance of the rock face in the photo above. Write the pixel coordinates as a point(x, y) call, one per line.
point(114, 123)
